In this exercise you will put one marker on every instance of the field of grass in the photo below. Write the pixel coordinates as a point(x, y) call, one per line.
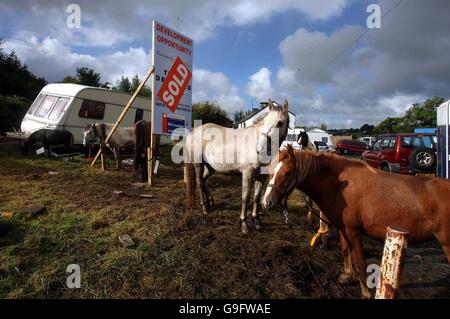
point(179, 253)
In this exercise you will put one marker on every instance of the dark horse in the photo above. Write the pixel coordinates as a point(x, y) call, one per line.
point(49, 138)
point(142, 133)
point(360, 200)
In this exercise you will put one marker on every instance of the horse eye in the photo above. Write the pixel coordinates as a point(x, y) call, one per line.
point(280, 123)
point(287, 174)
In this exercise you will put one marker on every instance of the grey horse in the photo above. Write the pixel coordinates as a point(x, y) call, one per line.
point(212, 147)
point(122, 137)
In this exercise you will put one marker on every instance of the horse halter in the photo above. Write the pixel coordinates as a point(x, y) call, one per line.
point(283, 192)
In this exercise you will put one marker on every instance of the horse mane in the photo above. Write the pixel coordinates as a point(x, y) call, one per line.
point(308, 162)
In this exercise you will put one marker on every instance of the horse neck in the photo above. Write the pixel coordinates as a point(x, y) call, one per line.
point(320, 182)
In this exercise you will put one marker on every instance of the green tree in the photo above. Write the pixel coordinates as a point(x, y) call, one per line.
point(367, 129)
point(422, 114)
point(419, 115)
point(84, 76)
point(16, 79)
point(323, 127)
point(123, 85)
point(210, 112)
point(238, 116)
point(18, 88)
point(389, 125)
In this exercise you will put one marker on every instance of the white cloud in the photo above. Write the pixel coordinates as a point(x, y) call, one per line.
point(332, 78)
point(52, 60)
point(109, 23)
point(215, 86)
point(260, 85)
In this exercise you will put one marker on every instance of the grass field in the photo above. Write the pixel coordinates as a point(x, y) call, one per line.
point(179, 253)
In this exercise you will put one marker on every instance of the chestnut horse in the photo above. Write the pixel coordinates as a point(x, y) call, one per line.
point(358, 200)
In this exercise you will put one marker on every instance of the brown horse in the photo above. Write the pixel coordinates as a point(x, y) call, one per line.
point(360, 200)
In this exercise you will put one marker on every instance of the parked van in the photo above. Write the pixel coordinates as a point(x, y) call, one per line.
point(368, 140)
point(71, 107)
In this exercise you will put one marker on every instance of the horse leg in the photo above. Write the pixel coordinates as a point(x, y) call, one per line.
point(247, 179)
point(256, 197)
point(116, 152)
point(324, 229)
point(208, 171)
point(359, 262)
point(443, 236)
point(347, 274)
point(199, 169)
point(309, 206)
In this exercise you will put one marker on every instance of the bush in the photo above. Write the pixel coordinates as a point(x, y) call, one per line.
point(210, 112)
point(12, 111)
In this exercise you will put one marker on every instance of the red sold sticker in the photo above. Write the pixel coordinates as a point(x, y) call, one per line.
point(173, 87)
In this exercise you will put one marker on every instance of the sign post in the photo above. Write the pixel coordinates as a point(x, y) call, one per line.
point(171, 86)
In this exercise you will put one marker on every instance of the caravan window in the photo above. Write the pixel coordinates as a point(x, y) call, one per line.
point(36, 103)
point(59, 108)
point(92, 110)
point(45, 106)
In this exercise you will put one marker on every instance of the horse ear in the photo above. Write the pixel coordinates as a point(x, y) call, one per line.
point(290, 150)
point(270, 103)
point(286, 105)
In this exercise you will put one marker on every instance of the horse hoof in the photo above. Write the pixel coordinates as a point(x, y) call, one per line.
point(345, 278)
point(258, 224)
point(244, 228)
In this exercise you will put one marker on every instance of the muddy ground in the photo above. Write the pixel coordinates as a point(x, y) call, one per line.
point(178, 253)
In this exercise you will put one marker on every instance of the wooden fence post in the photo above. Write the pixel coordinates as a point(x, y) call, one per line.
point(392, 263)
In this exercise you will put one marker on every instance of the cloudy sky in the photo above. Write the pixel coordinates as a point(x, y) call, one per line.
point(320, 55)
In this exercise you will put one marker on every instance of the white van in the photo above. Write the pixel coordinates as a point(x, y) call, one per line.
point(71, 107)
point(369, 140)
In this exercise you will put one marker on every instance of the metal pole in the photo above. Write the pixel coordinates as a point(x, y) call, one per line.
point(124, 111)
point(392, 263)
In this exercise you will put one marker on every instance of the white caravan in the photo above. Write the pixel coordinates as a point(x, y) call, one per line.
point(315, 135)
point(71, 107)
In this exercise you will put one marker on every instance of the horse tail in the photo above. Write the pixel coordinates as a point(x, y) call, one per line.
point(189, 180)
point(139, 141)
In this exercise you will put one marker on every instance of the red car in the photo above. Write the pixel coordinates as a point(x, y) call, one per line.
point(405, 153)
point(350, 147)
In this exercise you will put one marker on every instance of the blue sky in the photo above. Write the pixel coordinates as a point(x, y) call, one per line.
point(253, 49)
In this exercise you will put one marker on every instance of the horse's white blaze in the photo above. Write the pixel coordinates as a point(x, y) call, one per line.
point(272, 181)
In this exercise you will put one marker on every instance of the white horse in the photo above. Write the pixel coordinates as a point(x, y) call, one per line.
point(212, 147)
point(122, 137)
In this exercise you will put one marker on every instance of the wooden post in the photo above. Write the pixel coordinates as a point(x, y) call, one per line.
point(151, 152)
point(124, 111)
point(102, 159)
point(392, 263)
